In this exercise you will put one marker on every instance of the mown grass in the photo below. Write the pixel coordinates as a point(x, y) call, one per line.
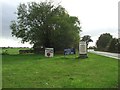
point(37, 71)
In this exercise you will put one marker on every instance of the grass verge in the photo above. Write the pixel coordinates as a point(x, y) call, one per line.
point(36, 71)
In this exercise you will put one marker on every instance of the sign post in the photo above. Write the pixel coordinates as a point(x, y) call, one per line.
point(82, 49)
point(49, 52)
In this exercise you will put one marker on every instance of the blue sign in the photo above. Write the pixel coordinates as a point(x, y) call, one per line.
point(69, 51)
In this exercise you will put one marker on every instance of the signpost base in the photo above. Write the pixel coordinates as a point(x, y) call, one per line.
point(83, 56)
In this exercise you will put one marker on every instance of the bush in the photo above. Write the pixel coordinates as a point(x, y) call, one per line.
point(4, 52)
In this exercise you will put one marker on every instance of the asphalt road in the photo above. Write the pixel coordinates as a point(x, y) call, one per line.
point(107, 54)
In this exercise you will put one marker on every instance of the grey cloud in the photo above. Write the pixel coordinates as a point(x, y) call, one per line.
point(95, 32)
point(7, 16)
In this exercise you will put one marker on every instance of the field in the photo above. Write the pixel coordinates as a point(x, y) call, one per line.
point(37, 71)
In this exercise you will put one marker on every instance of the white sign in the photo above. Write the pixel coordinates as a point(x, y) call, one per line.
point(82, 47)
point(49, 52)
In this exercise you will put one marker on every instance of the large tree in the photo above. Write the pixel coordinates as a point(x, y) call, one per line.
point(47, 25)
point(103, 41)
point(114, 46)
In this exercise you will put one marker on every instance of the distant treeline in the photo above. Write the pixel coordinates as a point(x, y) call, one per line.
point(12, 47)
point(108, 43)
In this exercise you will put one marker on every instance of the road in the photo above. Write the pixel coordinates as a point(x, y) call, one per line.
point(107, 54)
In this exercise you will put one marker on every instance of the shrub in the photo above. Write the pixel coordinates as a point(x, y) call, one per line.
point(4, 52)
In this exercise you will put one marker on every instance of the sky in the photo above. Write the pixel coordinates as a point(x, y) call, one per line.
point(96, 17)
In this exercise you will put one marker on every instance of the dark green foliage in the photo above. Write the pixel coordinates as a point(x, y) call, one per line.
point(43, 24)
point(118, 45)
point(103, 41)
point(114, 46)
point(92, 47)
point(87, 38)
point(107, 43)
point(5, 52)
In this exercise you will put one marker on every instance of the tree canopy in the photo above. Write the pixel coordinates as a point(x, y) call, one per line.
point(47, 25)
point(103, 40)
point(106, 42)
point(87, 38)
point(114, 46)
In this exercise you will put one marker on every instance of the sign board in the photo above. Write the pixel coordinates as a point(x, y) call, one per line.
point(49, 52)
point(82, 47)
point(69, 51)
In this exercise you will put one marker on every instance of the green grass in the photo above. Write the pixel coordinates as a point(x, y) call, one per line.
point(37, 71)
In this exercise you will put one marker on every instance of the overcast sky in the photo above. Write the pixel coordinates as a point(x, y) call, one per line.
point(96, 17)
